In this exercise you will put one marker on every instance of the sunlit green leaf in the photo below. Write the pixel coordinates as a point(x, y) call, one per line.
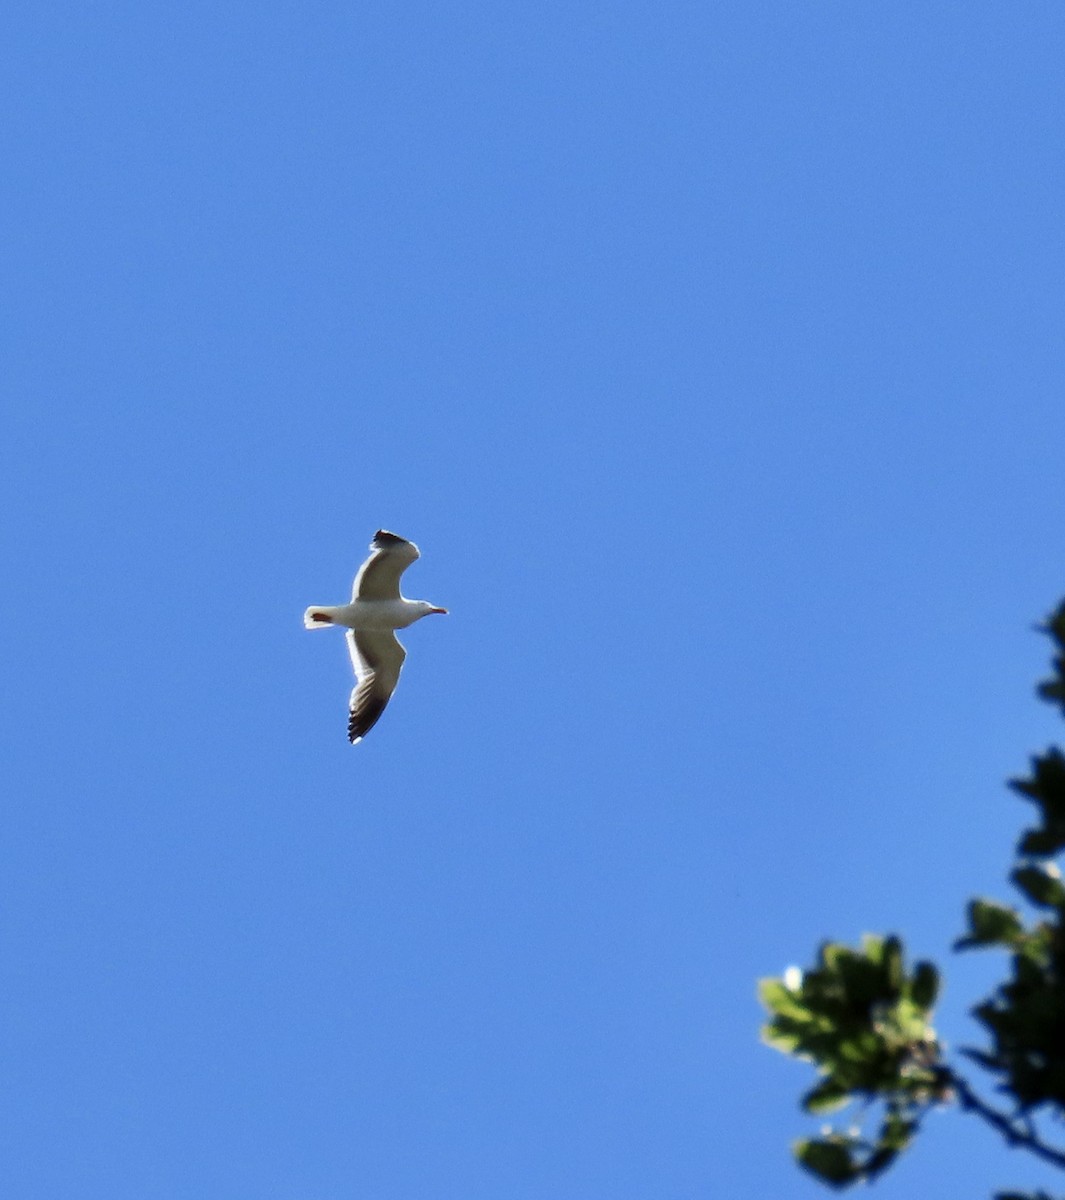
point(778, 1039)
point(873, 947)
point(778, 998)
point(826, 1097)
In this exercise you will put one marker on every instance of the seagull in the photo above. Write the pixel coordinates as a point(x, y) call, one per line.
point(376, 610)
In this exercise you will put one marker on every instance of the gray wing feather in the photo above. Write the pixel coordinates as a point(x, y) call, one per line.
point(378, 660)
point(378, 577)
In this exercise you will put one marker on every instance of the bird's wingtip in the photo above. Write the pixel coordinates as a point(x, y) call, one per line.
point(382, 539)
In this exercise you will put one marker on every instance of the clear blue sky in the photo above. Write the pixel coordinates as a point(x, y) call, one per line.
point(713, 355)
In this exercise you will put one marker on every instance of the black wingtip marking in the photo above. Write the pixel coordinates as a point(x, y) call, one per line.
point(383, 538)
point(360, 723)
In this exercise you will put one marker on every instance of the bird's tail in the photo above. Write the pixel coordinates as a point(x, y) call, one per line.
point(317, 618)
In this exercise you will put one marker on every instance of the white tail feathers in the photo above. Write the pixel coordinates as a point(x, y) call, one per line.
point(317, 618)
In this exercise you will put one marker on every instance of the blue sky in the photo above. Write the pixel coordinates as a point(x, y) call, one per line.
point(712, 354)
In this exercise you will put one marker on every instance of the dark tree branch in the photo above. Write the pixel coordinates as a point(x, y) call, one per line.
point(1026, 1138)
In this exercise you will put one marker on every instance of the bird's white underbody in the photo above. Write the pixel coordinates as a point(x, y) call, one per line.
point(372, 615)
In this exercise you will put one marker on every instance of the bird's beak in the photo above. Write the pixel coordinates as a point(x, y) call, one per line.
point(439, 610)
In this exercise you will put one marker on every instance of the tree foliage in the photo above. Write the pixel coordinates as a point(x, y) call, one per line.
point(865, 1020)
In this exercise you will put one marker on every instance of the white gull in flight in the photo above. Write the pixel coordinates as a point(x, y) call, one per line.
point(375, 611)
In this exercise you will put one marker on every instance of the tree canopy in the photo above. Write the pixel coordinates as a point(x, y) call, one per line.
point(863, 1017)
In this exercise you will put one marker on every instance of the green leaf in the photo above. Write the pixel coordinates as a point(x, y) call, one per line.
point(781, 1039)
point(1046, 789)
point(893, 973)
point(860, 1048)
point(878, 1161)
point(925, 986)
point(1053, 690)
point(826, 1097)
point(897, 1131)
point(1040, 843)
point(873, 946)
point(830, 1159)
point(990, 924)
point(779, 998)
point(833, 955)
point(1041, 884)
point(909, 1021)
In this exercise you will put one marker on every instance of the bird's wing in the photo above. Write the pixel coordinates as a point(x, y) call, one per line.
point(378, 660)
point(378, 577)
